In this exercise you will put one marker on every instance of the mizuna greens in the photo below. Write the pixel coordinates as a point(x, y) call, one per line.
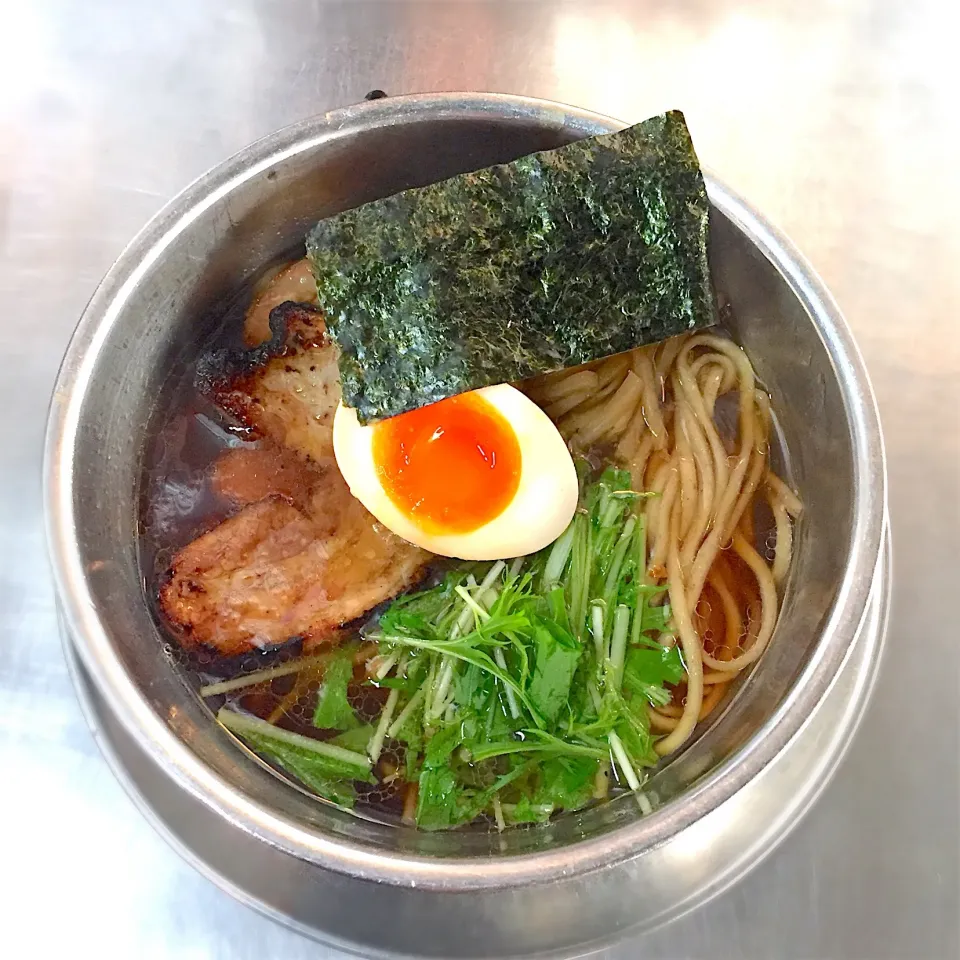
point(513, 690)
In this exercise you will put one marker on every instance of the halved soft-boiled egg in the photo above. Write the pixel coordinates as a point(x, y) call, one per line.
point(480, 476)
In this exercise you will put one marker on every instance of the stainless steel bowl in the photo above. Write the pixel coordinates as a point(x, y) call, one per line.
point(565, 886)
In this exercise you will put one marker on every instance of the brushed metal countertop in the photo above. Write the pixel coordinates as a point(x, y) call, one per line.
point(837, 119)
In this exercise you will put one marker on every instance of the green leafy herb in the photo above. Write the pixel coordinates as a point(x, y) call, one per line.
point(590, 249)
point(634, 733)
point(538, 742)
point(566, 783)
point(327, 768)
point(440, 796)
point(333, 710)
point(648, 669)
point(308, 768)
point(356, 739)
point(655, 619)
point(555, 662)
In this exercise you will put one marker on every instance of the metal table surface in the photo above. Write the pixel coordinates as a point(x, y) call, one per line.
point(837, 119)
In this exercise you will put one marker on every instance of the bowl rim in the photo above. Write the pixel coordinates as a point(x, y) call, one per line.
point(129, 703)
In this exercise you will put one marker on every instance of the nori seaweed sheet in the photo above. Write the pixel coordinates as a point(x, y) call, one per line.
point(550, 261)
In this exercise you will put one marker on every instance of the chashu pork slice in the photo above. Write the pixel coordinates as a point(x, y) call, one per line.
point(270, 573)
point(306, 558)
point(290, 387)
point(292, 283)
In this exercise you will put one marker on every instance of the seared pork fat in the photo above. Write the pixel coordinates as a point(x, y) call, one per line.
point(302, 557)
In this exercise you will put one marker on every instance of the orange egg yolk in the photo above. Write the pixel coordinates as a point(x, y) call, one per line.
point(451, 466)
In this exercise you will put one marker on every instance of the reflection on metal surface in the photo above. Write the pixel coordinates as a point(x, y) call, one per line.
point(838, 120)
point(705, 850)
point(624, 54)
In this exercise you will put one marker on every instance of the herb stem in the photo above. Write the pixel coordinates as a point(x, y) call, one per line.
point(386, 666)
point(379, 735)
point(642, 579)
point(511, 696)
point(463, 621)
point(428, 685)
point(498, 813)
point(623, 760)
point(604, 503)
point(601, 781)
point(261, 676)
point(558, 556)
point(491, 576)
point(618, 643)
point(581, 569)
point(596, 628)
point(407, 711)
point(616, 564)
point(567, 748)
point(469, 654)
point(595, 696)
point(472, 604)
point(439, 698)
point(609, 516)
point(242, 724)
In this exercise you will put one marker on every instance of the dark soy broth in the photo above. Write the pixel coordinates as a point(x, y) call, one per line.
point(180, 501)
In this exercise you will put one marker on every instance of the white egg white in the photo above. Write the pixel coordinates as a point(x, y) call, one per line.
point(539, 512)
